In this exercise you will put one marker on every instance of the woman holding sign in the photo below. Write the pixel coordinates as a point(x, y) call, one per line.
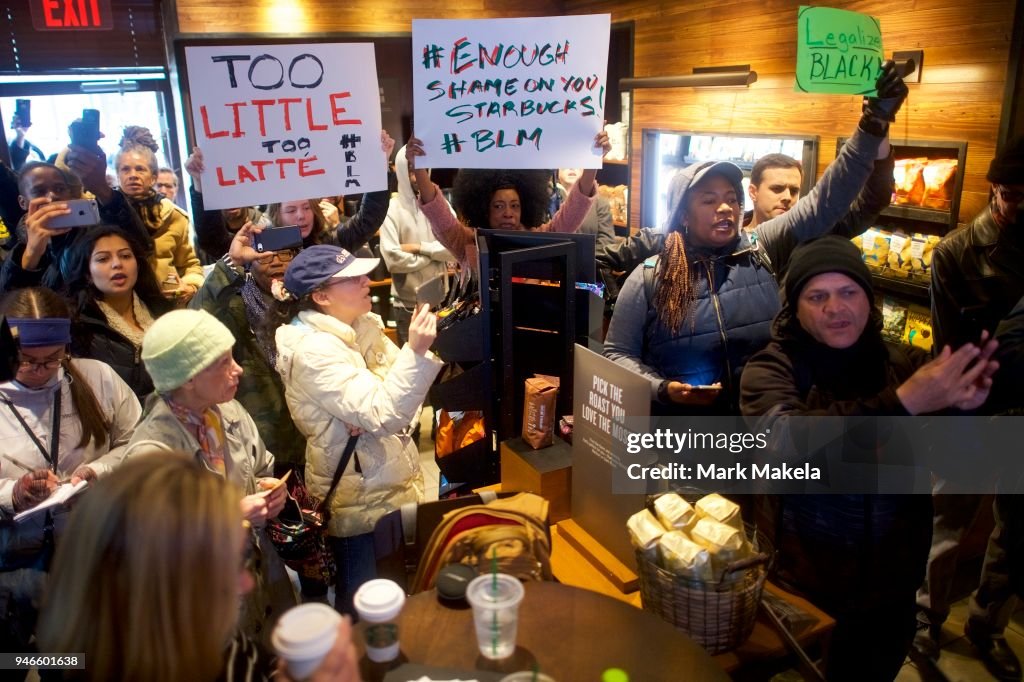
point(512, 203)
point(691, 318)
point(349, 234)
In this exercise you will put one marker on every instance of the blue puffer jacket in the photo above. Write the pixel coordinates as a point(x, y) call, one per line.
point(736, 291)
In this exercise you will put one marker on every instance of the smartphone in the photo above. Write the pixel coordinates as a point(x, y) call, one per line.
point(84, 212)
point(85, 132)
point(277, 239)
point(23, 113)
point(706, 387)
point(431, 292)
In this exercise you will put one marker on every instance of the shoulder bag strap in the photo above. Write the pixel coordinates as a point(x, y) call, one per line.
point(50, 457)
point(346, 457)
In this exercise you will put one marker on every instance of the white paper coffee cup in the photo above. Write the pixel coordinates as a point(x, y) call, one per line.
point(303, 636)
point(378, 603)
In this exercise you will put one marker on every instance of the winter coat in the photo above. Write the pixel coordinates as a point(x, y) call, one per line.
point(628, 254)
point(977, 278)
point(260, 389)
point(172, 245)
point(845, 551)
point(247, 461)
point(35, 405)
point(737, 294)
point(338, 376)
point(407, 224)
point(456, 236)
point(51, 272)
point(92, 337)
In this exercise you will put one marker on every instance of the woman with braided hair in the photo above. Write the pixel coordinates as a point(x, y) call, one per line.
point(690, 318)
point(499, 200)
point(177, 268)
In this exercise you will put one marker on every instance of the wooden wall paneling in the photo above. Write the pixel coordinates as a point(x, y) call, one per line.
point(967, 51)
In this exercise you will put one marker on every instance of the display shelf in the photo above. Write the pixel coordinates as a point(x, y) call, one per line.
point(918, 291)
point(905, 215)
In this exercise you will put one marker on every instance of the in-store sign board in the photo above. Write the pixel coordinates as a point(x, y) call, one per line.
point(838, 52)
point(71, 15)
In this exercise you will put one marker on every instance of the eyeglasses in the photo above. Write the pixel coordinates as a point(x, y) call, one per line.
point(281, 256)
point(45, 364)
point(1010, 196)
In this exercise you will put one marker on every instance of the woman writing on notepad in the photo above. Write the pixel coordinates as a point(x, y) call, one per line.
point(61, 420)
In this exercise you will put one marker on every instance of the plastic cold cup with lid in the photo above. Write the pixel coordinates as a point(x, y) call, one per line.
point(378, 603)
point(527, 676)
point(495, 599)
point(304, 635)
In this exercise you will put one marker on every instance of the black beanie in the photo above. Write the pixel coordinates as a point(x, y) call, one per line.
point(1007, 168)
point(826, 254)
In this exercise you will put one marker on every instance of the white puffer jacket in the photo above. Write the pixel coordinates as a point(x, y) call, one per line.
point(336, 376)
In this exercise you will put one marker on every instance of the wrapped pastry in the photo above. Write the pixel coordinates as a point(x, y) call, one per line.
point(724, 543)
point(716, 507)
point(644, 530)
point(683, 556)
point(674, 512)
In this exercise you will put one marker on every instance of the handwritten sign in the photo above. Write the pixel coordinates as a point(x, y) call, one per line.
point(510, 93)
point(838, 52)
point(285, 122)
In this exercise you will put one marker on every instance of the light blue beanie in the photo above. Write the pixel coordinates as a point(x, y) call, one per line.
point(181, 344)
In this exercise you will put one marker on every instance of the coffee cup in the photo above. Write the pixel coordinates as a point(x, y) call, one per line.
point(378, 603)
point(303, 636)
point(495, 599)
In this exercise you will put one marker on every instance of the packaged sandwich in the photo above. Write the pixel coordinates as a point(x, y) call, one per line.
point(717, 508)
point(684, 557)
point(674, 512)
point(908, 175)
point(644, 530)
point(938, 178)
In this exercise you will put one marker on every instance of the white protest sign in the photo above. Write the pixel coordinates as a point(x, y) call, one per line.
point(510, 93)
point(284, 122)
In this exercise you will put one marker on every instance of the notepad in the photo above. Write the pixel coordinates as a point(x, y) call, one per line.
point(61, 495)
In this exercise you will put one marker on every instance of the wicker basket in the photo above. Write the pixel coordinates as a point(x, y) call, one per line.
point(717, 615)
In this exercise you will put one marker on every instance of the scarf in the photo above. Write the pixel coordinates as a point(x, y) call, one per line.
point(256, 310)
point(208, 428)
point(139, 311)
point(148, 208)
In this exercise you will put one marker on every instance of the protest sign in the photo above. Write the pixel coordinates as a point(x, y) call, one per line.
point(838, 52)
point(510, 93)
point(284, 122)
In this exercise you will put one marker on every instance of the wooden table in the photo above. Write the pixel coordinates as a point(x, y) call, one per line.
point(570, 633)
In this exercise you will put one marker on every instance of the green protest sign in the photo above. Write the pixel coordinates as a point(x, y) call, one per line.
point(838, 52)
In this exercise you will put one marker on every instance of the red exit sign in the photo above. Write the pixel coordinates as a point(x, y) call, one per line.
point(71, 15)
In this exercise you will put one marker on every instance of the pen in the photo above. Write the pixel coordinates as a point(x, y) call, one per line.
point(16, 463)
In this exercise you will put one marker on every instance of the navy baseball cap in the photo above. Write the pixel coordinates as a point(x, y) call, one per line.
point(316, 264)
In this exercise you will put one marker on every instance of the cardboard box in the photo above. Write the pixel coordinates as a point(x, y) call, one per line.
point(546, 472)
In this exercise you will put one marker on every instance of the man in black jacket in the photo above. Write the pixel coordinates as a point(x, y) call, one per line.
point(977, 278)
point(859, 557)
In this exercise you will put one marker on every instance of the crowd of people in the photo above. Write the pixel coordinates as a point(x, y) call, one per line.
point(182, 374)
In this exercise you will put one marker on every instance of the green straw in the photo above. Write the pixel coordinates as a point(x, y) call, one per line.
point(536, 671)
point(494, 592)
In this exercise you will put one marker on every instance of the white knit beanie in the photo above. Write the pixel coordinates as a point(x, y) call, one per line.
point(181, 344)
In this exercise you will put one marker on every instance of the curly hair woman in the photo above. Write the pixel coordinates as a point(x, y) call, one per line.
point(174, 261)
point(499, 200)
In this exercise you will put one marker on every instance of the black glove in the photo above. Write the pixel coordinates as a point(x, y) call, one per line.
point(878, 111)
